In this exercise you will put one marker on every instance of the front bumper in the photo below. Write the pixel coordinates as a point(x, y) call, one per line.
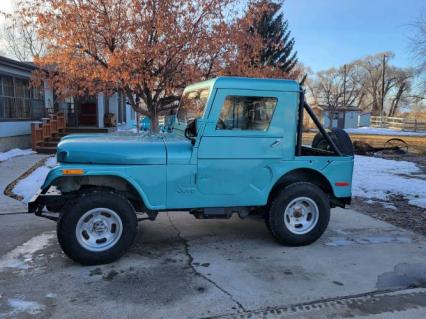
point(43, 201)
point(36, 203)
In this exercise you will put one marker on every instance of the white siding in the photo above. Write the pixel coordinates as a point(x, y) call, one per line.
point(364, 119)
point(48, 96)
point(351, 119)
point(15, 128)
point(101, 112)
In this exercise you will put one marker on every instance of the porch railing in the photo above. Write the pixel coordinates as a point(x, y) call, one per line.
point(47, 128)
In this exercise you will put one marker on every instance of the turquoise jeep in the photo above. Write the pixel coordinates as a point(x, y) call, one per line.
point(235, 147)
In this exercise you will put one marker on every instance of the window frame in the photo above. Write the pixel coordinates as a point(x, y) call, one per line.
point(275, 129)
point(17, 101)
point(251, 96)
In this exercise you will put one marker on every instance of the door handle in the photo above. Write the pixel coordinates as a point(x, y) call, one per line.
point(276, 142)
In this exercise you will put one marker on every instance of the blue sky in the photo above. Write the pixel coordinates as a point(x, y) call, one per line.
point(333, 32)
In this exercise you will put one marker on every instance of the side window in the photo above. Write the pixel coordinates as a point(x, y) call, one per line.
point(246, 113)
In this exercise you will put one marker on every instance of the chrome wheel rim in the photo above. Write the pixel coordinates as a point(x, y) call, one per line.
point(99, 229)
point(301, 215)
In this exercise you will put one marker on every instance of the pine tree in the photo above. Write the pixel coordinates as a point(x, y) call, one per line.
point(270, 24)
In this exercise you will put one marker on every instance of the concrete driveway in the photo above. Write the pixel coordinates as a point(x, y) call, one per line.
point(180, 267)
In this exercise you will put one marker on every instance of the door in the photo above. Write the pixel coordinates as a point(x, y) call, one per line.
point(242, 139)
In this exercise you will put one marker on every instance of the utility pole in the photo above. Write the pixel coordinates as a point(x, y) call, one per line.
point(344, 85)
point(383, 88)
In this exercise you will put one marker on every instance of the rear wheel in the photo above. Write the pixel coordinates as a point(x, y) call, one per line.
point(97, 228)
point(299, 214)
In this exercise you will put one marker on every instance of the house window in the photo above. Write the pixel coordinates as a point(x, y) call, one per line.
point(18, 101)
point(246, 113)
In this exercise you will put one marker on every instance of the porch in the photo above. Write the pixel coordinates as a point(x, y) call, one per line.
point(45, 135)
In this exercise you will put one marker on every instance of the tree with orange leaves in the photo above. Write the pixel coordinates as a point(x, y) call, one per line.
point(148, 49)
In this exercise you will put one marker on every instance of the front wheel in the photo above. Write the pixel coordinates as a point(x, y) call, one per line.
point(97, 228)
point(299, 214)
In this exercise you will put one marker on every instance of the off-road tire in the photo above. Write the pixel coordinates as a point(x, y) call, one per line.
point(279, 204)
point(72, 212)
point(340, 138)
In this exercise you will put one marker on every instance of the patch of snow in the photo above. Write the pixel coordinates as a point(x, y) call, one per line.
point(378, 178)
point(19, 306)
point(126, 128)
point(14, 153)
point(367, 240)
point(22, 256)
point(51, 295)
point(382, 131)
point(29, 185)
point(51, 162)
point(389, 206)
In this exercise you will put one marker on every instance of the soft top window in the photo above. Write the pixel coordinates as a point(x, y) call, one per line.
point(246, 113)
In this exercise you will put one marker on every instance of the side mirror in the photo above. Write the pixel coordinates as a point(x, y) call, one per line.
point(191, 130)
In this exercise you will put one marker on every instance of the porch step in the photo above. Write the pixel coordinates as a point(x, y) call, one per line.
point(46, 149)
point(50, 143)
point(77, 130)
point(62, 134)
point(55, 139)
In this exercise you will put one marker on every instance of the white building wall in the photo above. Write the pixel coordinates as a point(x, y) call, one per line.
point(101, 109)
point(113, 105)
point(364, 120)
point(351, 119)
point(48, 96)
point(15, 128)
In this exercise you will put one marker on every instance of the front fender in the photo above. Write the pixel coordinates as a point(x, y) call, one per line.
point(147, 180)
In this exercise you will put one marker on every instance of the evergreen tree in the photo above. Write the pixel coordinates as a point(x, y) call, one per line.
point(270, 24)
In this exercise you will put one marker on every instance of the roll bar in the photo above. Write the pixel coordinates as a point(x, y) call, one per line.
point(303, 105)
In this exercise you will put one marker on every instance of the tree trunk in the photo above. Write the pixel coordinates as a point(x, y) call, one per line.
point(154, 122)
point(138, 125)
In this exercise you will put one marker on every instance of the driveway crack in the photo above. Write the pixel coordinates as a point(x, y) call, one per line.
point(185, 243)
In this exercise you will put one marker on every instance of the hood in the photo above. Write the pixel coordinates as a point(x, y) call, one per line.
point(129, 149)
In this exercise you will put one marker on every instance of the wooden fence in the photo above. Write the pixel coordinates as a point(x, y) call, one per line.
point(47, 128)
point(398, 123)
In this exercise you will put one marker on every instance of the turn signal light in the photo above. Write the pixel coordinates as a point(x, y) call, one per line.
point(342, 184)
point(73, 171)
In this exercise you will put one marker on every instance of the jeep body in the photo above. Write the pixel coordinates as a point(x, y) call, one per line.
point(235, 145)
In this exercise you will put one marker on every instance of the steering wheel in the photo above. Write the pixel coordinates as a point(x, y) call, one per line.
point(221, 124)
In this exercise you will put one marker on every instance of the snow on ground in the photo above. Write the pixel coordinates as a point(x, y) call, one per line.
point(121, 129)
point(382, 131)
point(14, 153)
point(378, 178)
point(29, 185)
point(23, 306)
point(22, 256)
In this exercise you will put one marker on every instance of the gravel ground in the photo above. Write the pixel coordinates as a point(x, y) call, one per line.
point(397, 211)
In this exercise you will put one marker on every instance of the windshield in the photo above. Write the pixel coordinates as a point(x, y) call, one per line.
point(192, 105)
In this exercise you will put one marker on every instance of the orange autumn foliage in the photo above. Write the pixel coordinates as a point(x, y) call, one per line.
point(150, 49)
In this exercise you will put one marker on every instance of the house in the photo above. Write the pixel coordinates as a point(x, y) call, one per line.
point(341, 117)
point(364, 119)
point(21, 104)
